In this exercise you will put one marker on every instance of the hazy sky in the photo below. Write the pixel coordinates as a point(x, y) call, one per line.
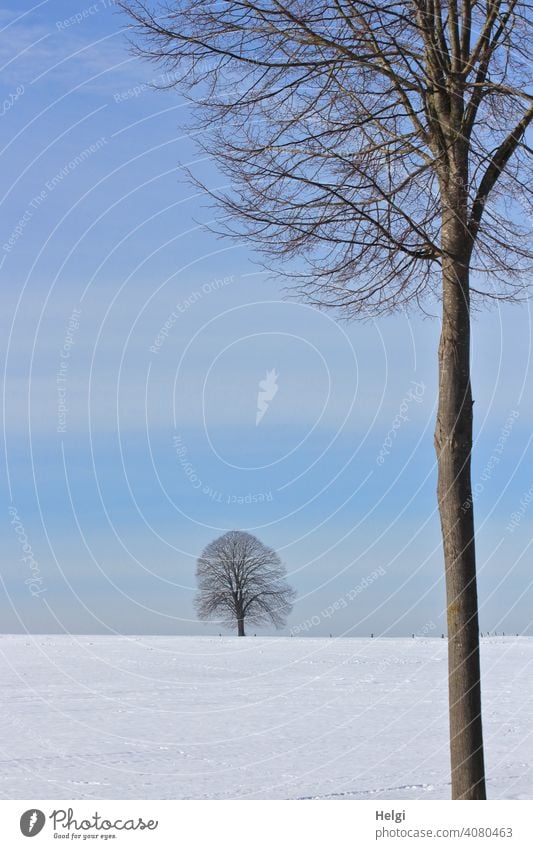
point(134, 343)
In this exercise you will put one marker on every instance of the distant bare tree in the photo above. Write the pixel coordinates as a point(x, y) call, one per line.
point(241, 579)
point(384, 145)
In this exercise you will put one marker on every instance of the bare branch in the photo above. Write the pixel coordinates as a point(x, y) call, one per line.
point(341, 125)
point(240, 578)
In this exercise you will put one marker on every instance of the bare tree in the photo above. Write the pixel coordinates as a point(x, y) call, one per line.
point(241, 579)
point(384, 145)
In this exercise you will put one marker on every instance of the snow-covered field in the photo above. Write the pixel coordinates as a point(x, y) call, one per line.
point(263, 718)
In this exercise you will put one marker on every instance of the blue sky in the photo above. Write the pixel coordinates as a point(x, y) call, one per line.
point(152, 333)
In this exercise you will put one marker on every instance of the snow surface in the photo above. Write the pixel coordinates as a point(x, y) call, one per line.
point(264, 718)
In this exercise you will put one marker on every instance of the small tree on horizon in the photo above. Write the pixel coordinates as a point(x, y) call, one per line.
point(239, 579)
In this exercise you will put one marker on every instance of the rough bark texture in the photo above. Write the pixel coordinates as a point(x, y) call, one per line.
point(453, 442)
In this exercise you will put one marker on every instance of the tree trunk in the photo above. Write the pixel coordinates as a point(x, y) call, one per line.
point(240, 627)
point(453, 443)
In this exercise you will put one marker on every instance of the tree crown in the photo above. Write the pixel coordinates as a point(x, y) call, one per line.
point(239, 577)
point(346, 127)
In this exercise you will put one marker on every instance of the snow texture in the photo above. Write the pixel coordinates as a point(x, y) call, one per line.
point(256, 718)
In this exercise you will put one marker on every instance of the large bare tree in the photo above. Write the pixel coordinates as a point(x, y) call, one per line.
point(239, 579)
point(384, 145)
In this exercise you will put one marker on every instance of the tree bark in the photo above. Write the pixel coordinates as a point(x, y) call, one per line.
point(453, 443)
point(240, 627)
